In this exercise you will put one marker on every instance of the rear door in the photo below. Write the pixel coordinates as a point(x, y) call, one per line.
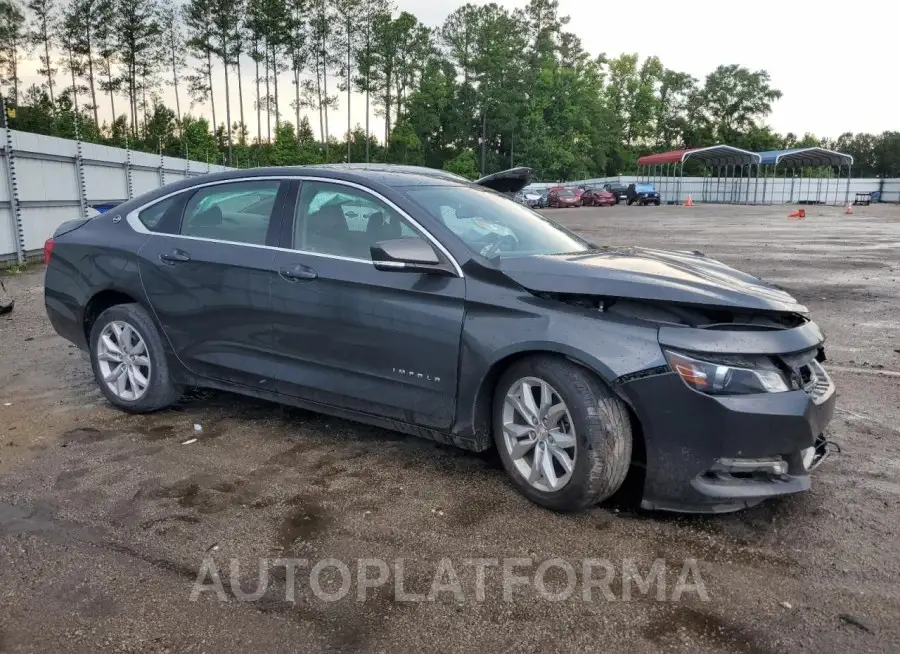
point(385, 343)
point(208, 271)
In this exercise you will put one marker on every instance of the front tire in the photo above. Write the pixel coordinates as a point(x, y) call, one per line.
point(129, 360)
point(564, 438)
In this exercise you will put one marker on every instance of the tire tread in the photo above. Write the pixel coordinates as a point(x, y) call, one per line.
point(162, 392)
point(607, 433)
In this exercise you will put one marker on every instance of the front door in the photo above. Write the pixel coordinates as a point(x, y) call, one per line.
point(385, 343)
point(209, 278)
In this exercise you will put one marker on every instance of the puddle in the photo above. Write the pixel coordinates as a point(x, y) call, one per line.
point(85, 435)
point(68, 479)
point(304, 522)
point(685, 623)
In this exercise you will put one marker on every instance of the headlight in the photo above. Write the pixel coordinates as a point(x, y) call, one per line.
point(752, 375)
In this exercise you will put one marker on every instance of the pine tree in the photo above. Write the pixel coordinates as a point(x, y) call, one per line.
point(239, 46)
point(86, 24)
point(42, 34)
point(225, 27)
point(349, 13)
point(321, 44)
point(199, 24)
point(173, 48)
point(104, 35)
point(138, 35)
point(12, 37)
point(298, 33)
point(367, 80)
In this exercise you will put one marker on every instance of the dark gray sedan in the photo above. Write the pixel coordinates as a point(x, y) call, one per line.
point(415, 300)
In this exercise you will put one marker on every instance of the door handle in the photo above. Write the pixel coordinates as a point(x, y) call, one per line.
point(175, 256)
point(297, 273)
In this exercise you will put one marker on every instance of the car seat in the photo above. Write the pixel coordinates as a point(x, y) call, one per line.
point(206, 224)
point(327, 231)
point(379, 229)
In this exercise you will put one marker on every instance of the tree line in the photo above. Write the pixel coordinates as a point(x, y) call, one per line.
point(488, 89)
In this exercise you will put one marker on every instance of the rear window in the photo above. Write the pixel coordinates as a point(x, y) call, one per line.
point(152, 215)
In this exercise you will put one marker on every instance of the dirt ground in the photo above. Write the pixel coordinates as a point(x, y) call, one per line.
point(106, 518)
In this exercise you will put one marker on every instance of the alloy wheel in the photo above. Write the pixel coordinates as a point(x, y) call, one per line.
point(539, 434)
point(123, 360)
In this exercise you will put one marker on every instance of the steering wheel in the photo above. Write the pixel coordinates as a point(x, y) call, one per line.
point(498, 244)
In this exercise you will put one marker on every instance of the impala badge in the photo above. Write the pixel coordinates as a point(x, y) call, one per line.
point(415, 375)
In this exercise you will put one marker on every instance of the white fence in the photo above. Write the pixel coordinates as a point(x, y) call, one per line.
point(53, 180)
point(764, 190)
point(50, 180)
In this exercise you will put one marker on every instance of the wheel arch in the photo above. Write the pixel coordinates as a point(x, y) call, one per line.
point(482, 400)
point(631, 490)
point(100, 302)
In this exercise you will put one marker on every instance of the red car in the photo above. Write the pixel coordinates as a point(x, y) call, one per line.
point(598, 198)
point(563, 198)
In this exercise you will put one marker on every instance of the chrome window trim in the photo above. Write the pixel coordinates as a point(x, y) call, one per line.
point(135, 223)
point(428, 235)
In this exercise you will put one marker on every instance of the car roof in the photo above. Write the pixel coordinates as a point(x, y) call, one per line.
point(385, 175)
point(391, 174)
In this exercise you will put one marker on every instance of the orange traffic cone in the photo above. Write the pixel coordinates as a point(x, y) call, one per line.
point(689, 202)
point(849, 211)
point(800, 214)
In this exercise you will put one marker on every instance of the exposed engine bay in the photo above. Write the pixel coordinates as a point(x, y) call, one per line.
point(671, 313)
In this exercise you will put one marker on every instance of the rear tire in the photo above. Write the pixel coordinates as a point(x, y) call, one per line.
point(596, 423)
point(129, 360)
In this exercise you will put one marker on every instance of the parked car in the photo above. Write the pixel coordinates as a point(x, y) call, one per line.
point(595, 197)
point(529, 199)
point(642, 194)
point(415, 300)
point(619, 190)
point(563, 198)
point(578, 191)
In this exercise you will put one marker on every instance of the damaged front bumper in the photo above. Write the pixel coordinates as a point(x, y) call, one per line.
point(719, 453)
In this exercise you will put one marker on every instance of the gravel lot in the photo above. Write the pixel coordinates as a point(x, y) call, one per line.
point(105, 518)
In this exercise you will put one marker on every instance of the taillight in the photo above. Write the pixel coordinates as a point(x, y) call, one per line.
point(48, 250)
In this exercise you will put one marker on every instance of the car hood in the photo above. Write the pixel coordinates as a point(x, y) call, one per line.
point(507, 181)
point(647, 274)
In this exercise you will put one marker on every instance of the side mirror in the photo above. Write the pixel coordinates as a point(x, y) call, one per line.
point(407, 255)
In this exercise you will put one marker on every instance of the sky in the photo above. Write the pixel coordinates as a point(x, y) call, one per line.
point(835, 62)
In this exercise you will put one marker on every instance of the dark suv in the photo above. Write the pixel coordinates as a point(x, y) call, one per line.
point(642, 194)
point(418, 301)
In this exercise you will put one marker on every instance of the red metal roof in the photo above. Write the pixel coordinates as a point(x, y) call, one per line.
point(675, 156)
point(714, 155)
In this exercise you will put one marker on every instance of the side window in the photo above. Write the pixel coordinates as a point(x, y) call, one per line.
point(344, 221)
point(152, 215)
point(239, 212)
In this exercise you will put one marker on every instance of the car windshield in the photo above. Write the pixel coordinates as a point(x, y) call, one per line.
point(644, 188)
point(565, 193)
point(492, 225)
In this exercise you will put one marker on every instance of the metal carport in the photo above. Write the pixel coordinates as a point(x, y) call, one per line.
point(803, 159)
point(729, 163)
